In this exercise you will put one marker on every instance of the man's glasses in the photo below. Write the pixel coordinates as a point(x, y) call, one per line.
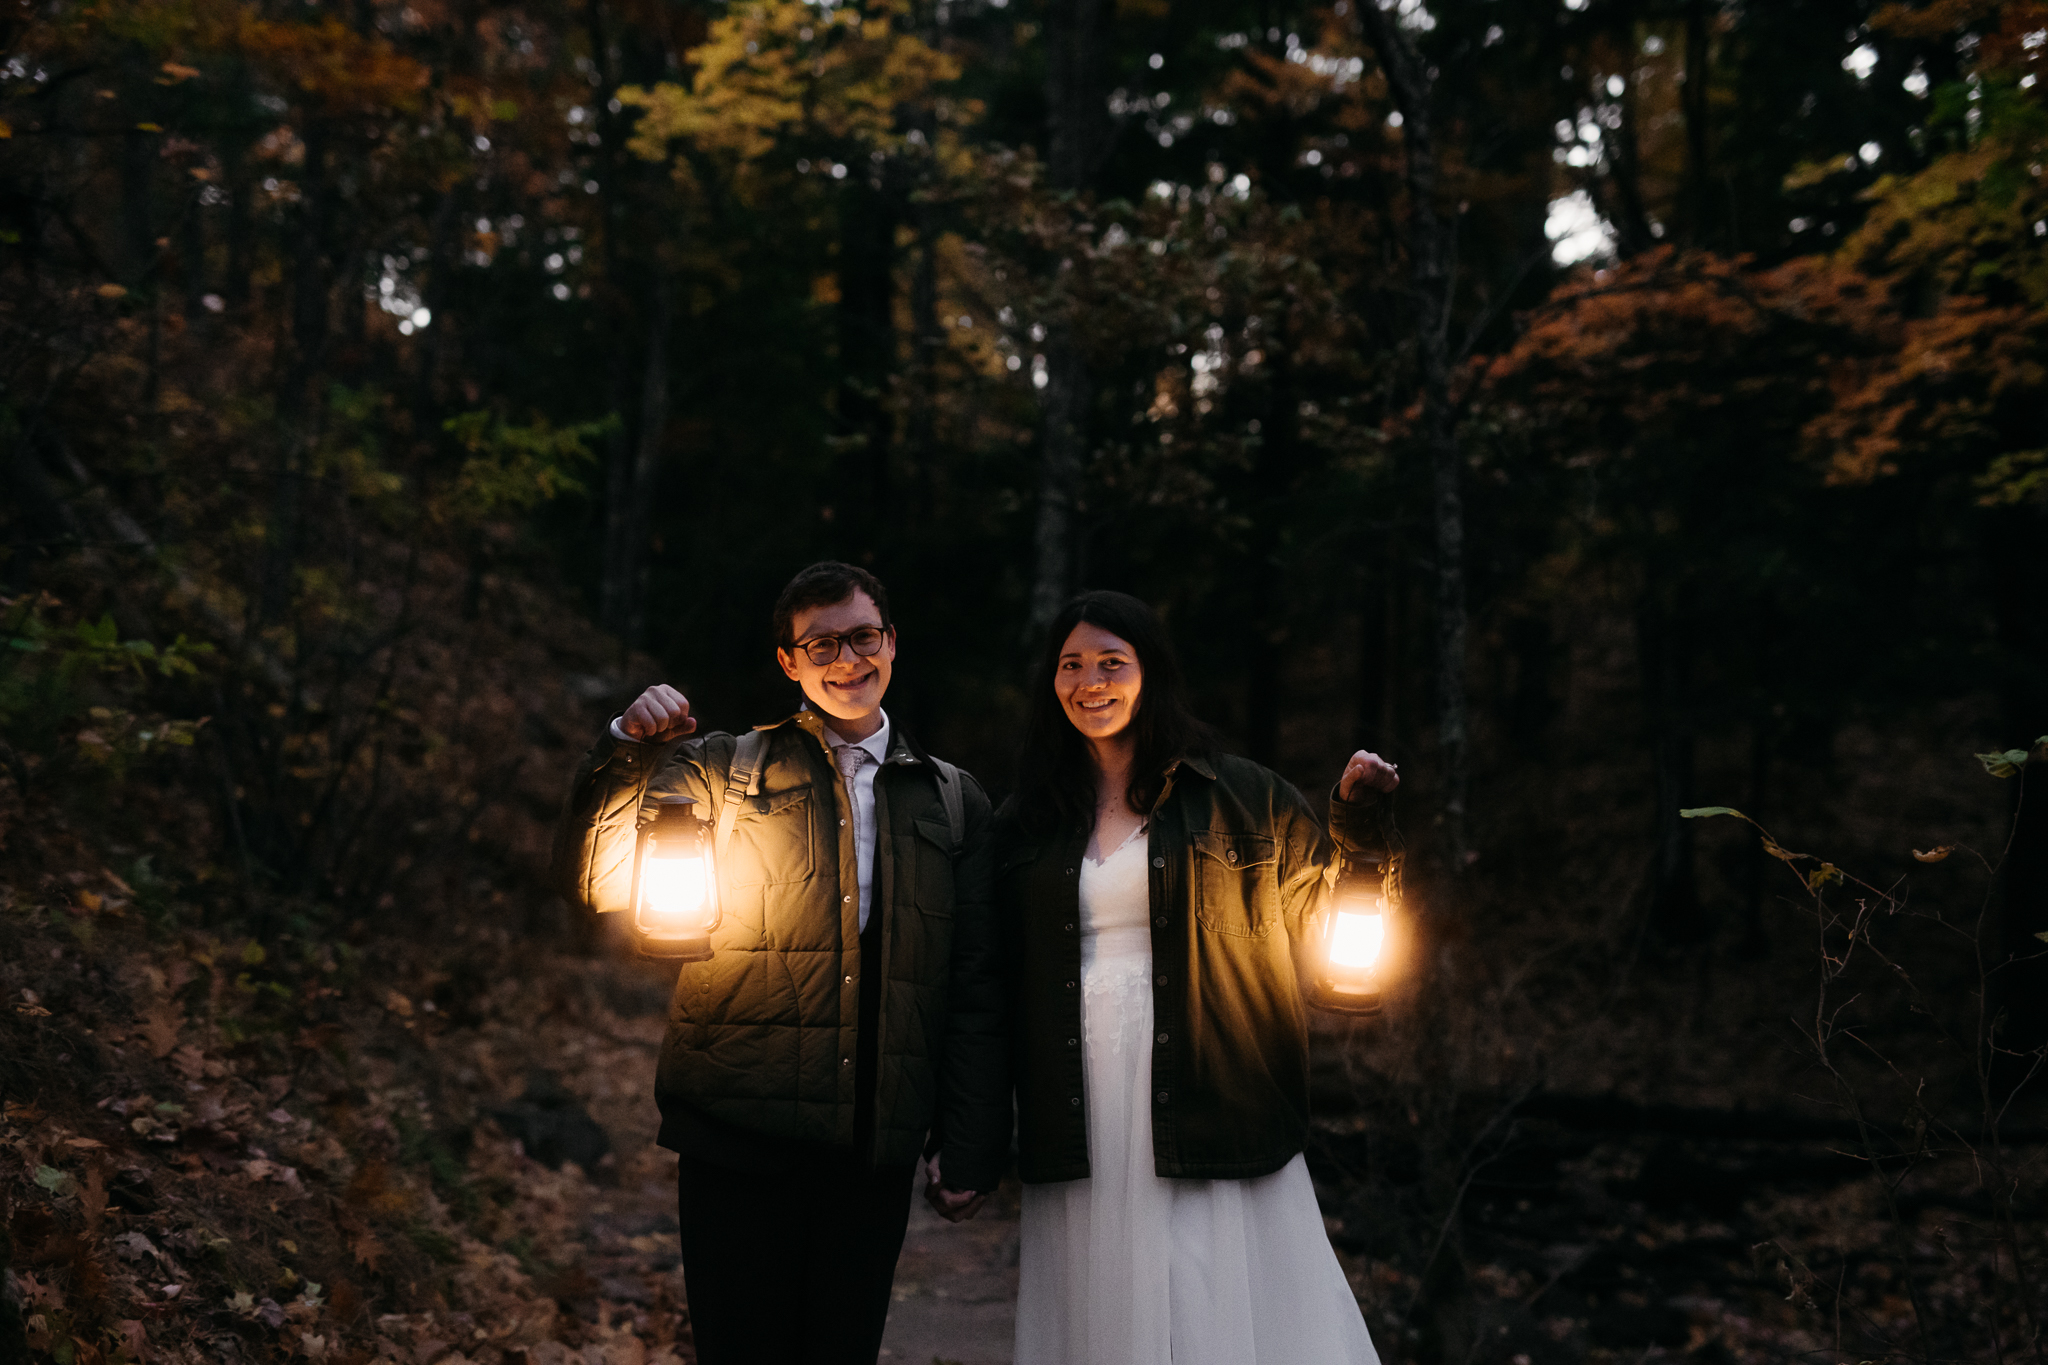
point(824, 649)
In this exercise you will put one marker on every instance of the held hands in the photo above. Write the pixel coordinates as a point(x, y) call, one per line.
point(1367, 770)
point(660, 714)
point(955, 1206)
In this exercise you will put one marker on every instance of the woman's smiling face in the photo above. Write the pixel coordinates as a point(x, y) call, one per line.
point(1098, 681)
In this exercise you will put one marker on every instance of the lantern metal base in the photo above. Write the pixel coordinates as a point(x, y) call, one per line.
point(673, 949)
point(1367, 1002)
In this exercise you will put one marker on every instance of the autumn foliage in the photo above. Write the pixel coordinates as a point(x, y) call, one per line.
point(388, 390)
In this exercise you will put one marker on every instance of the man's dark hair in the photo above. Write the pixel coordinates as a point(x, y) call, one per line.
point(822, 585)
point(1055, 778)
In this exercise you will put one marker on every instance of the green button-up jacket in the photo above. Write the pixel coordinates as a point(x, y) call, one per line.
point(1241, 871)
point(762, 1037)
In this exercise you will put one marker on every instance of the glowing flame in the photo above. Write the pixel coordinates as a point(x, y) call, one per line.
point(674, 891)
point(1357, 939)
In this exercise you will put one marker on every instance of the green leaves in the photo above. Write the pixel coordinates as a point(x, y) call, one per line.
point(2009, 763)
point(98, 644)
point(514, 468)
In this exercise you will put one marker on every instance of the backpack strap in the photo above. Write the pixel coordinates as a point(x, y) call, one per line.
point(742, 780)
point(955, 800)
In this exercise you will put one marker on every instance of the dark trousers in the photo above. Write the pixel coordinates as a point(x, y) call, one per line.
point(792, 1268)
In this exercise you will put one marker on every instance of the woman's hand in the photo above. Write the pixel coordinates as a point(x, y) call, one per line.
point(1367, 770)
point(955, 1206)
point(660, 713)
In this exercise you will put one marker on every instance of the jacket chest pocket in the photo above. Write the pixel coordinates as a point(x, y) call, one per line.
point(772, 840)
point(934, 871)
point(1237, 883)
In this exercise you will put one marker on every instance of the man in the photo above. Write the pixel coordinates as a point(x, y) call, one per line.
point(850, 1018)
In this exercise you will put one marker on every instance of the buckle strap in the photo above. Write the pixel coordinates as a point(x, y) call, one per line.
point(742, 780)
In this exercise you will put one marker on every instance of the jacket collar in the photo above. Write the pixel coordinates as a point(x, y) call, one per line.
point(1194, 762)
point(903, 749)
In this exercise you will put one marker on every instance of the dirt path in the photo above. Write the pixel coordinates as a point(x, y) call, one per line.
point(956, 1288)
point(956, 1285)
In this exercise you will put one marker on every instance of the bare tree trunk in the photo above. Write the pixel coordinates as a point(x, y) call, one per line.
point(192, 256)
point(634, 465)
point(1665, 634)
point(1693, 100)
point(867, 350)
point(1756, 939)
point(1627, 211)
point(241, 224)
point(1077, 138)
point(2023, 923)
point(1378, 636)
point(1068, 391)
point(138, 230)
point(1431, 243)
point(926, 342)
point(441, 254)
point(298, 403)
point(1266, 612)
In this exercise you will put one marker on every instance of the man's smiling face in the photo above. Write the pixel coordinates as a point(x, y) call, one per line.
point(849, 689)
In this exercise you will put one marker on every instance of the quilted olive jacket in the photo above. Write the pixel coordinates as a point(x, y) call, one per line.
point(1240, 871)
point(762, 1036)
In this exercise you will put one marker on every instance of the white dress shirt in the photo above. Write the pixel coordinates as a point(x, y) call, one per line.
point(860, 794)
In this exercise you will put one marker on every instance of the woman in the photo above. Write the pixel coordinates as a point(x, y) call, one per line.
point(1154, 891)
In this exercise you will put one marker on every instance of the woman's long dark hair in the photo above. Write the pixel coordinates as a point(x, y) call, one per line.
point(1055, 776)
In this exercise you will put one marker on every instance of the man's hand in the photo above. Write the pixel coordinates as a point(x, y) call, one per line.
point(660, 714)
point(1367, 770)
point(955, 1206)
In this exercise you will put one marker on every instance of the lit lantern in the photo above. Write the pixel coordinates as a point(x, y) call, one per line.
point(1355, 948)
point(675, 884)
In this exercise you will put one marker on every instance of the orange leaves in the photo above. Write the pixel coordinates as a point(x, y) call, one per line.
point(2003, 48)
point(320, 59)
point(331, 65)
point(1936, 19)
point(1937, 390)
point(1637, 354)
point(158, 1028)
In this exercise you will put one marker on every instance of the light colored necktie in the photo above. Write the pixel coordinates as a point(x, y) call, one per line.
point(849, 757)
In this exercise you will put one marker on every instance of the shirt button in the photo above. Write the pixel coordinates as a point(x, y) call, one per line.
point(1159, 862)
point(848, 1061)
point(842, 824)
point(849, 898)
point(1161, 1097)
point(849, 981)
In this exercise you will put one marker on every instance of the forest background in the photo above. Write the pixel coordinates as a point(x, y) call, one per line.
point(1603, 408)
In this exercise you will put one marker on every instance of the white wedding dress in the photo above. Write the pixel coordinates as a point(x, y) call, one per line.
point(1127, 1268)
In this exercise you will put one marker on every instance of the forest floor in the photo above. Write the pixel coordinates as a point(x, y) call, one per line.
point(434, 1145)
point(215, 1191)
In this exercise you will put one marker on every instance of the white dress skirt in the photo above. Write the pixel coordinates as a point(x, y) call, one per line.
point(1128, 1268)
